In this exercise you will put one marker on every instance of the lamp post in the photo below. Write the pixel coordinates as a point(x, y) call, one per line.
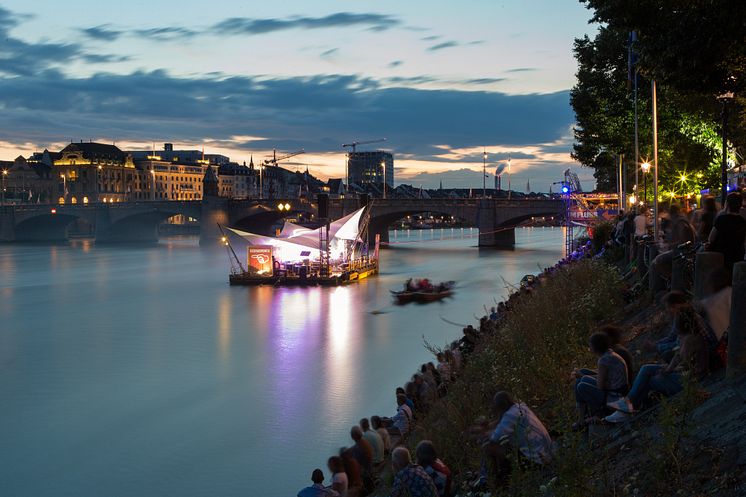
point(645, 166)
point(2, 200)
point(64, 187)
point(383, 167)
point(152, 175)
point(484, 173)
point(656, 231)
point(724, 98)
point(509, 189)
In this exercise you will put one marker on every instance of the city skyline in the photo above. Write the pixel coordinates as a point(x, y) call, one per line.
point(440, 84)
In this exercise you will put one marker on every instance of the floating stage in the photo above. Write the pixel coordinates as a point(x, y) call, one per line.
point(333, 254)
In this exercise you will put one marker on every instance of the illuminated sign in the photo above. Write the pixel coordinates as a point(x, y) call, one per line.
point(260, 260)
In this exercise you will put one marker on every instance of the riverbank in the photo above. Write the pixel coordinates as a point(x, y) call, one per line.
point(691, 444)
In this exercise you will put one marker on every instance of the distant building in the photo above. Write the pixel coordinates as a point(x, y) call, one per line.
point(87, 172)
point(238, 181)
point(93, 172)
point(371, 168)
point(168, 154)
point(24, 181)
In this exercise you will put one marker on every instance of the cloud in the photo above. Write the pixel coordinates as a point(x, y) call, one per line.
point(522, 69)
point(483, 81)
point(102, 33)
point(166, 33)
point(450, 44)
point(442, 46)
point(250, 26)
point(329, 53)
point(395, 63)
point(316, 113)
point(21, 58)
point(247, 26)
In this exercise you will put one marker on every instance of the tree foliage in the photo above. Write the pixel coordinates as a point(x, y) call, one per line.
point(696, 50)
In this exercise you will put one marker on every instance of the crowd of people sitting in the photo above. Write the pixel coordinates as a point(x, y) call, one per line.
point(705, 228)
point(610, 393)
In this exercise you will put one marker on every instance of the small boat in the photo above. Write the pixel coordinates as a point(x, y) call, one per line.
point(436, 292)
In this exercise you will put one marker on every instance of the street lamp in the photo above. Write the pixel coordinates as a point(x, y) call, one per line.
point(383, 166)
point(152, 175)
point(509, 187)
point(64, 187)
point(484, 174)
point(724, 98)
point(645, 166)
point(5, 173)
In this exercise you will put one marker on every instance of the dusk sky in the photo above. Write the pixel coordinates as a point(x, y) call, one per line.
point(440, 80)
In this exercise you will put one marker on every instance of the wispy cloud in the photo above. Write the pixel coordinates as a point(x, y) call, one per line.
point(395, 63)
point(329, 53)
point(22, 58)
point(102, 33)
point(443, 46)
point(451, 44)
point(522, 69)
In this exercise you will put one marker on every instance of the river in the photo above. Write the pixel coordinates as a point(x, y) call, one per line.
point(137, 371)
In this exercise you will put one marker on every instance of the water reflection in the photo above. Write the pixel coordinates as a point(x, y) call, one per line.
point(146, 362)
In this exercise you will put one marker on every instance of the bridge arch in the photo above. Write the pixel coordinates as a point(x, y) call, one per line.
point(44, 227)
point(380, 223)
point(259, 218)
point(139, 225)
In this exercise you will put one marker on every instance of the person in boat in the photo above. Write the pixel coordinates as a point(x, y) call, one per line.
point(409, 286)
point(424, 285)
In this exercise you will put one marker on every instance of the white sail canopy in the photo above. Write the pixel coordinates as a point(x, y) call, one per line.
point(297, 243)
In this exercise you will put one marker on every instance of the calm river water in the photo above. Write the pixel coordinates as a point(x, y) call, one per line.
point(138, 371)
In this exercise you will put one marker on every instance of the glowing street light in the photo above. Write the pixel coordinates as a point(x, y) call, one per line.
point(383, 167)
point(645, 166)
point(5, 173)
point(484, 174)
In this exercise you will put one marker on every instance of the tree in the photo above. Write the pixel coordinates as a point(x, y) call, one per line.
point(688, 112)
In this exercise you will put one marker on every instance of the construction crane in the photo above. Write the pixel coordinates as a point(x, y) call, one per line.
point(354, 145)
point(273, 162)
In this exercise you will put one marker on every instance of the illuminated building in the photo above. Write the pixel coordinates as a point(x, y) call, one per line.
point(25, 181)
point(90, 171)
point(371, 168)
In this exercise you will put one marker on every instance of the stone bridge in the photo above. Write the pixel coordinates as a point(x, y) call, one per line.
point(117, 222)
point(495, 218)
point(138, 221)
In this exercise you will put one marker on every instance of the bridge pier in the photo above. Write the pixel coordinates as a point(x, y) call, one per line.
point(378, 228)
point(7, 225)
point(214, 212)
point(491, 234)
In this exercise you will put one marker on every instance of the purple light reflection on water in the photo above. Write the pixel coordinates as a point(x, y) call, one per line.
point(146, 374)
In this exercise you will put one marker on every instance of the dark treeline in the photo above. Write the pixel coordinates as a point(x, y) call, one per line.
point(696, 52)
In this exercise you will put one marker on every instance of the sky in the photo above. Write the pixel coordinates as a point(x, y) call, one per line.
point(442, 81)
